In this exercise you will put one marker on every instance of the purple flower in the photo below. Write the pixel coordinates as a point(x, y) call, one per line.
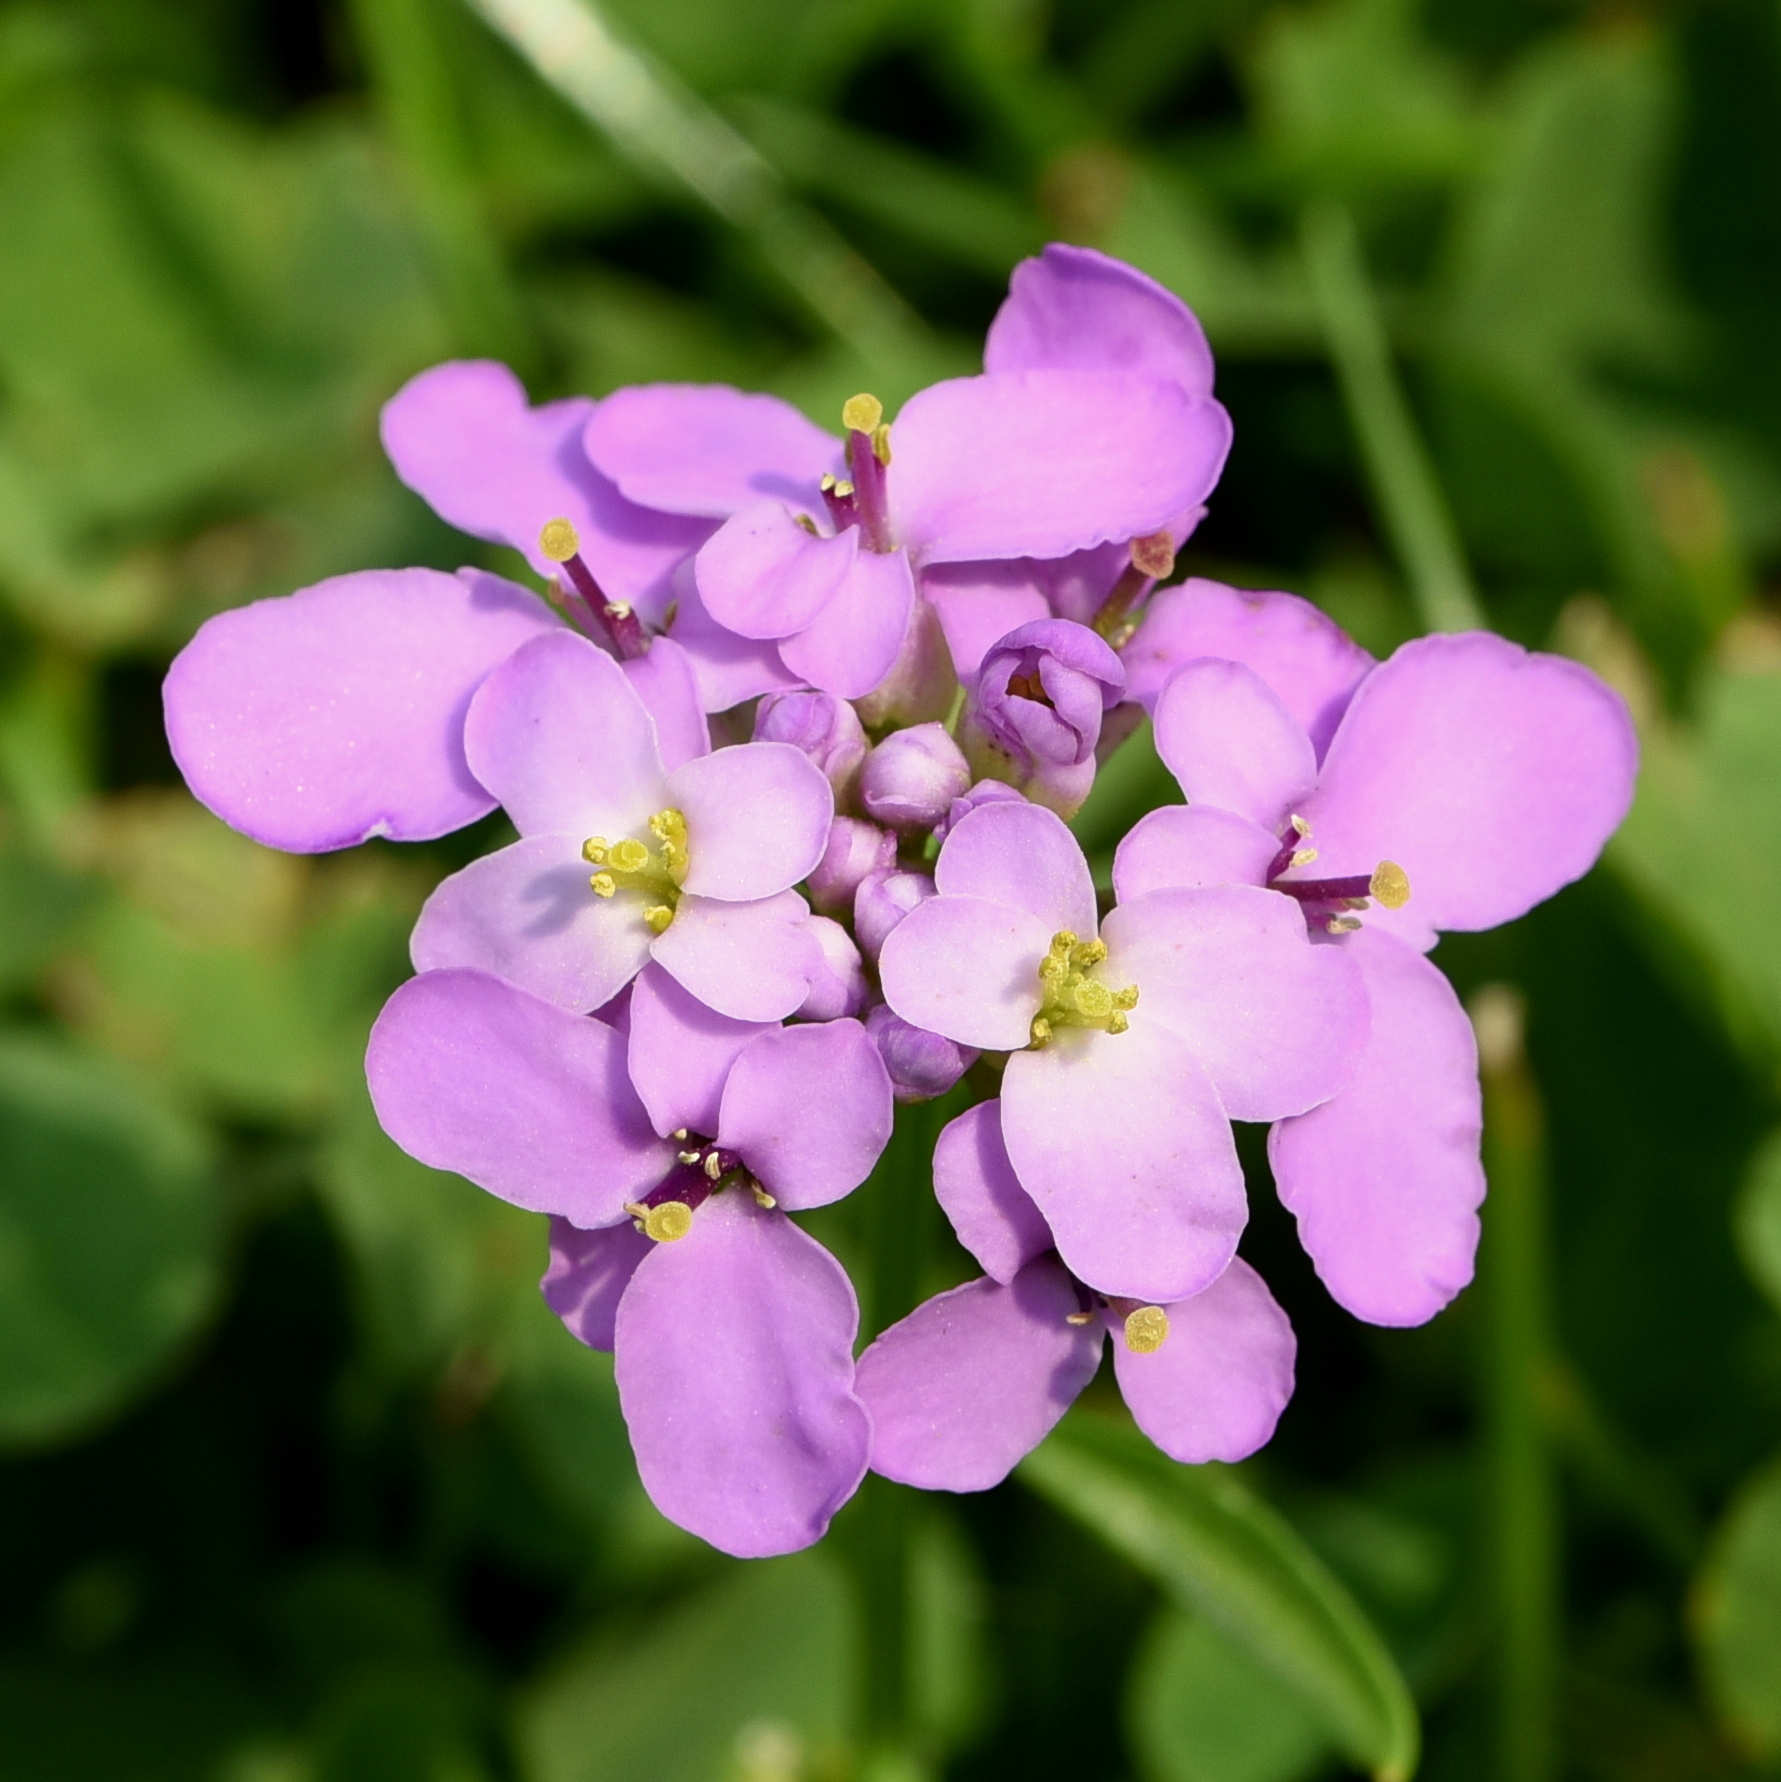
point(984, 792)
point(839, 985)
point(855, 851)
point(1131, 1051)
point(911, 778)
point(976, 1378)
point(1035, 713)
point(1466, 781)
point(621, 860)
point(732, 1330)
point(882, 901)
point(821, 726)
point(921, 1064)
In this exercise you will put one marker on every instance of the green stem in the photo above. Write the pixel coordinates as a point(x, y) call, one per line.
point(1404, 486)
point(1523, 1512)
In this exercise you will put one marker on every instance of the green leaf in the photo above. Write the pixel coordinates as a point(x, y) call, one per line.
point(1759, 1219)
point(761, 1662)
point(1218, 1550)
point(109, 1239)
point(1201, 1710)
point(1738, 1616)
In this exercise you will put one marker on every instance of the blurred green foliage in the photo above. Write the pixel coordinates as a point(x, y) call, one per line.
point(301, 1483)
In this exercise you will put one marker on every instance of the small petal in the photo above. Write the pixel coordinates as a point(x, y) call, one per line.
point(974, 1182)
point(1278, 1023)
point(463, 437)
point(975, 1379)
point(1385, 1179)
point(526, 914)
point(681, 1052)
point(808, 1109)
point(588, 1274)
point(753, 961)
point(910, 780)
point(1123, 1143)
point(855, 641)
point(1023, 856)
point(764, 576)
point(735, 1374)
point(336, 713)
point(1217, 1386)
point(528, 1101)
point(839, 987)
point(1188, 847)
point(921, 1065)
point(1491, 775)
point(881, 903)
point(1306, 658)
point(1072, 309)
point(558, 735)
point(708, 449)
point(757, 819)
point(980, 603)
point(967, 968)
point(1230, 743)
point(1043, 463)
point(730, 669)
point(666, 679)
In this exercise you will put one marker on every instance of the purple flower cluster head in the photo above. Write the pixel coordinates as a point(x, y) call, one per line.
point(680, 1009)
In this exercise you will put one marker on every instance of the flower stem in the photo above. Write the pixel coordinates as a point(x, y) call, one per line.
point(1523, 1512)
point(1404, 486)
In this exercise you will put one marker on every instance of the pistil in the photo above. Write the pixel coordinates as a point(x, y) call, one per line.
point(615, 619)
point(1070, 997)
point(1387, 884)
point(868, 457)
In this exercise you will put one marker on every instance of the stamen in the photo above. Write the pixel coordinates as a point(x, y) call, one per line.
point(1153, 557)
point(868, 453)
point(761, 1197)
point(1301, 828)
point(1146, 1330)
point(881, 443)
point(1387, 884)
point(1079, 1318)
point(560, 542)
point(633, 865)
point(1069, 997)
point(1342, 924)
point(1303, 857)
point(603, 884)
point(658, 916)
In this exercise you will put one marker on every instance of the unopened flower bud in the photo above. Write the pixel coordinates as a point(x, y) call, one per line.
point(911, 778)
point(922, 681)
point(839, 988)
point(920, 1064)
point(1035, 714)
point(882, 901)
point(984, 792)
point(855, 851)
point(819, 725)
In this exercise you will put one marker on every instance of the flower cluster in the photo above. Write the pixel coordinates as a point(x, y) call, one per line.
point(790, 750)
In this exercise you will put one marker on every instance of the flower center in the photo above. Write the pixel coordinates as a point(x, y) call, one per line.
point(665, 1214)
point(1329, 901)
point(656, 871)
point(1070, 997)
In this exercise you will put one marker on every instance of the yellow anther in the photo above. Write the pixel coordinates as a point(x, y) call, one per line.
point(680, 1132)
point(1079, 1318)
point(558, 541)
point(881, 444)
point(618, 609)
point(761, 1197)
point(844, 491)
point(808, 524)
point(1063, 943)
point(1303, 857)
point(1040, 1030)
point(1117, 1023)
point(713, 1167)
point(1051, 968)
point(1146, 1330)
point(602, 884)
point(1301, 828)
point(658, 916)
point(1126, 998)
point(593, 850)
point(672, 1219)
point(861, 413)
point(1391, 885)
point(687, 1156)
point(1087, 953)
point(1153, 555)
point(627, 856)
point(828, 484)
point(1070, 997)
point(1342, 924)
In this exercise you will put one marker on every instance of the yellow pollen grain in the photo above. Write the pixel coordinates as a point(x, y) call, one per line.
point(1153, 555)
point(658, 916)
point(671, 1220)
point(1146, 1330)
point(862, 413)
point(603, 884)
point(558, 541)
point(1391, 885)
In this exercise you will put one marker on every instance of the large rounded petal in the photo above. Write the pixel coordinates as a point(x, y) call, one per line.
point(995, 1218)
point(1311, 664)
point(853, 643)
point(808, 1109)
point(763, 575)
point(1184, 847)
point(588, 1274)
point(735, 1373)
point(1072, 309)
point(463, 437)
point(1023, 856)
point(666, 679)
point(1217, 1386)
point(470, 1074)
point(681, 1052)
point(1230, 743)
point(707, 448)
point(757, 819)
point(1122, 1141)
point(1492, 775)
point(966, 968)
point(752, 961)
point(1043, 463)
point(1277, 1022)
point(1385, 1180)
point(334, 714)
point(974, 1379)
point(980, 603)
point(526, 914)
point(562, 739)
